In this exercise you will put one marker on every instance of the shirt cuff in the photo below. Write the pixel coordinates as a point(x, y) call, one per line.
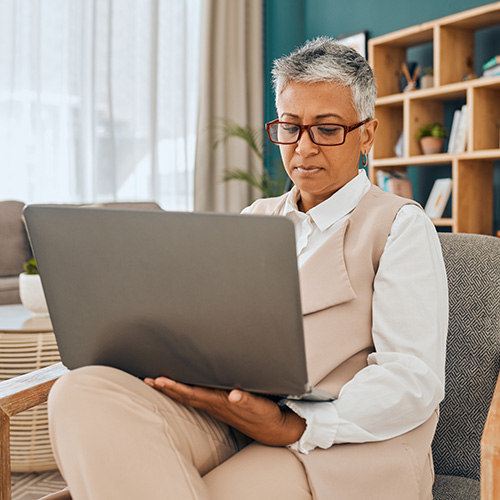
point(322, 421)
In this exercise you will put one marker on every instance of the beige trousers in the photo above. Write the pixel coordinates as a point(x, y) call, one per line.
point(115, 437)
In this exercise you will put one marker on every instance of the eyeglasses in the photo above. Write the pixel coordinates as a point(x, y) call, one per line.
point(324, 134)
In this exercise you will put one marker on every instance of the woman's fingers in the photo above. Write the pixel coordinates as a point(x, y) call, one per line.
point(256, 416)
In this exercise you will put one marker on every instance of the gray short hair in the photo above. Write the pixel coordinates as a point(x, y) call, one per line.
point(327, 60)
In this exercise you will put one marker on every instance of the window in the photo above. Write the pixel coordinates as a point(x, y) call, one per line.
point(98, 101)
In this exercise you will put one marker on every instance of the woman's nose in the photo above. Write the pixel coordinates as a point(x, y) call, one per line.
point(305, 146)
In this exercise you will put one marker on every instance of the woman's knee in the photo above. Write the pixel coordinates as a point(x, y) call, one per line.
point(79, 387)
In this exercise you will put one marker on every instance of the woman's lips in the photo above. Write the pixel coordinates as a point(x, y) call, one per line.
point(308, 170)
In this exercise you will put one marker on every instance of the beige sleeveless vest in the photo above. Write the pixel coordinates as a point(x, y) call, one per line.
point(336, 291)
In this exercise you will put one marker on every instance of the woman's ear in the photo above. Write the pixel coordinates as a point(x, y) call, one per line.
point(368, 136)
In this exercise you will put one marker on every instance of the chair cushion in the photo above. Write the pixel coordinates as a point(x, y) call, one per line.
point(473, 351)
point(9, 290)
point(14, 245)
point(455, 488)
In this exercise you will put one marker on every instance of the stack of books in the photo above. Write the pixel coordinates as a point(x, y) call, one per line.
point(459, 130)
point(395, 182)
point(492, 67)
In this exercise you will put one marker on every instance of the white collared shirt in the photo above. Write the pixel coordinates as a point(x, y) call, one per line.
point(404, 380)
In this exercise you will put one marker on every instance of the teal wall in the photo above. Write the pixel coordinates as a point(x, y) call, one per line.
point(288, 23)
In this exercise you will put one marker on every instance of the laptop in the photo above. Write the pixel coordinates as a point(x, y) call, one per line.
point(205, 299)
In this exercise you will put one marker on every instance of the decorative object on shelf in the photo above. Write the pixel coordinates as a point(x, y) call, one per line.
point(399, 148)
point(395, 182)
point(431, 138)
point(410, 78)
point(438, 198)
point(31, 290)
point(356, 41)
point(427, 79)
point(470, 75)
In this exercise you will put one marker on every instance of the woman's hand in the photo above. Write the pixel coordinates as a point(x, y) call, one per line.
point(257, 417)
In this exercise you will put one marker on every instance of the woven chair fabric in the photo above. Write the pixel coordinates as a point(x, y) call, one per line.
point(473, 351)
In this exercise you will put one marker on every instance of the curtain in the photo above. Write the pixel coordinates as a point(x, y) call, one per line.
point(231, 88)
point(99, 100)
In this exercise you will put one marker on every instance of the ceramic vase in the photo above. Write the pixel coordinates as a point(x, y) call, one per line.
point(431, 145)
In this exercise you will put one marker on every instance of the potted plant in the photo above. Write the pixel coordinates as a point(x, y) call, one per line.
point(30, 289)
point(261, 180)
point(431, 138)
point(427, 79)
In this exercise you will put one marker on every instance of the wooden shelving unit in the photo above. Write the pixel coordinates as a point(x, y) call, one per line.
point(452, 38)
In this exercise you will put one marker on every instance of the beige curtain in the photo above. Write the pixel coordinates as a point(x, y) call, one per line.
point(231, 87)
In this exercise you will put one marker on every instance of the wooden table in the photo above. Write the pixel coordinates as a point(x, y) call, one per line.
point(27, 343)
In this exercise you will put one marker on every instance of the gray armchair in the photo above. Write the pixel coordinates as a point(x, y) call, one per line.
point(467, 441)
point(472, 367)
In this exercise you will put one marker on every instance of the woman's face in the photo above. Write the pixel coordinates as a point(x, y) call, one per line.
point(319, 171)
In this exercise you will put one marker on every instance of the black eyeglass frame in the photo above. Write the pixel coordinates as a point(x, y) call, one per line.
point(347, 129)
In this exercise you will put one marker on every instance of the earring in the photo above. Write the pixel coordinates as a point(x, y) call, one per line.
point(364, 160)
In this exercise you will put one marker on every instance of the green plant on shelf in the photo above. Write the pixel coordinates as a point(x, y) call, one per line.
point(432, 130)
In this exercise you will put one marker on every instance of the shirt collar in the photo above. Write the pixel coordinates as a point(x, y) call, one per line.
point(334, 208)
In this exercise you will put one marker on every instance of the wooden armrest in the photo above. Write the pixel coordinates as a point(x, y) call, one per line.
point(26, 391)
point(490, 450)
point(16, 395)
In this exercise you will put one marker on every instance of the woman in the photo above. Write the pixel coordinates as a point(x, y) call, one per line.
point(375, 316)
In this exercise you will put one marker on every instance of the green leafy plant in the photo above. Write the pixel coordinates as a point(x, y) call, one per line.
point(254, 138)
point(30, 267)
point(432, 130)
point(429, 71)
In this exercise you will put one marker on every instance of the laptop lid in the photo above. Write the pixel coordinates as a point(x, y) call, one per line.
point(206, 299)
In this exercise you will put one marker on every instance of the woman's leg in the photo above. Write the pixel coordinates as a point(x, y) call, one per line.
point(259, 472)
point(115, 437)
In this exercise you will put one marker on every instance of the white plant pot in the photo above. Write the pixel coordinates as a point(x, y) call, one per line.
point(426, 82)
point(31, 292)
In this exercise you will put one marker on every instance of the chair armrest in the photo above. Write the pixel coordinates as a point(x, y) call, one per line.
point(26, 391)
point(17, 395)
point(490, 450)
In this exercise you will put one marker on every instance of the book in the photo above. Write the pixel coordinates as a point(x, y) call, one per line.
point(491, 62)
point(438, 198)
point(460, 142)
point(382, 178)
point(494, 71)
point(395, 182)
point(453, 132)
point(401, 187)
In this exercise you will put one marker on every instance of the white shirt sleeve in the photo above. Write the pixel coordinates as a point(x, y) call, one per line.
point(404, 380)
